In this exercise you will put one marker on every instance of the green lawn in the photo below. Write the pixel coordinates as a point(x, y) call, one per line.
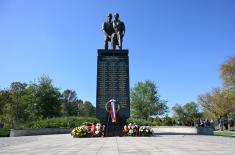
point(4, 132)
point(225, 133)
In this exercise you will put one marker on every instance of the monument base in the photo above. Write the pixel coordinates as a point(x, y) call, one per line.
point(114, 128)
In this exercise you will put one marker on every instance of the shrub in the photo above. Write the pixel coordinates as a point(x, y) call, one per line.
point(167, 121)
point(58, 122)
point(141, 122)
point(4, 132)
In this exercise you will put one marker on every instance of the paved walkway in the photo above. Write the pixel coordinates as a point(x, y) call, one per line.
point(159, 145)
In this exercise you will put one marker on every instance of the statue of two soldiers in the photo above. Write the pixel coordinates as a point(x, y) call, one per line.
point(113, 31)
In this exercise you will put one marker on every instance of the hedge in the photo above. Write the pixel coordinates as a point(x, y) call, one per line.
point(155, 122)
point(71, 122)
point(4, 132)
point(141, 122)
point(58, 122)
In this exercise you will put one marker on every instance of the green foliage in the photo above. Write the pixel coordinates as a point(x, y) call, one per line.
point(30, 100)
point(227, 73)
point(38, 100)
point(141, 122)
point(12, 104)
point(69, 103)
point(186, 113)
point(21, 102)
point(166, 121)
point(191, 110)
point(179, 113)
point(48, 98)
point(4, 132)
point(224, 133)
point(145, 100)
point(157, 122)
point(18, 105)
point(6, 104)
point(86, 109)
point(219, 102)
point(59, 122)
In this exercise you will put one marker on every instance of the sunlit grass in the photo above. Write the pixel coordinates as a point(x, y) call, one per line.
point(225, 133)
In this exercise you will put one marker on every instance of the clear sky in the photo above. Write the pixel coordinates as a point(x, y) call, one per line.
point(179, 44)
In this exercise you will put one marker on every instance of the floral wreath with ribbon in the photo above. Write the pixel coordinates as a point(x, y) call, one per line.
point(112, 110)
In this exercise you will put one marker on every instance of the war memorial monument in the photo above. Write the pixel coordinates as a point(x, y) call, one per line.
point(113, 98)
point(113, 108)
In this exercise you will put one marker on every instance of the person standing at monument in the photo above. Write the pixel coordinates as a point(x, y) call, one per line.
point(108, 30)
point(119, 31)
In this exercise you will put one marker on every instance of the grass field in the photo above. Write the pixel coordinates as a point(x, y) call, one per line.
point(225, 133)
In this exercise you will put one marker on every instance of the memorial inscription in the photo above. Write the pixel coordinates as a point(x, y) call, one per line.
point(113, 81)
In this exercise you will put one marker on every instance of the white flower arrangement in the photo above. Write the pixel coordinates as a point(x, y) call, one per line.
point(146, 131)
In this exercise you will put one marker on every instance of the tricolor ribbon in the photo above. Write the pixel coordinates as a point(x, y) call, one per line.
point(112, 111)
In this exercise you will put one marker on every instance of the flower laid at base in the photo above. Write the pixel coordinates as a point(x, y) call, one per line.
point(98, 130)
point(133, 129)
point(89, 130)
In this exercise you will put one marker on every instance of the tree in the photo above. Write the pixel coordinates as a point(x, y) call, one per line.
point(167, 121)
point(227, 73)
point(12, 104)
point(69, 103)
point(220, 102)
point(86, 109)
point(21, 102)
point(18, 107)
point(30, 99)
point(217, 102)
point(6, 113)
point(186, 113)
point(192, 111)
point(48, 103)
point(145, 100)
point(179, 113)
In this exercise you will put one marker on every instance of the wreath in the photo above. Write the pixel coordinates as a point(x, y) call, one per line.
point(106, 107)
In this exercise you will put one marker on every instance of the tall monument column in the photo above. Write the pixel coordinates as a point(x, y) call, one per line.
point(112, 88)
point(112, 82)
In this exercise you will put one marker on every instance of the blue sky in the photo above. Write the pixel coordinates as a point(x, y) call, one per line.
point(179, 44)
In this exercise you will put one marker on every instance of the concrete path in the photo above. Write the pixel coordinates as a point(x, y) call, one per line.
point(158, 145)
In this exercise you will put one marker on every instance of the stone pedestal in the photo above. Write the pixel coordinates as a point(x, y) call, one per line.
point(113, 83)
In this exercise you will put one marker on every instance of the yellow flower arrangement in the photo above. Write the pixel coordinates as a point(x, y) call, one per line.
point(81, 131)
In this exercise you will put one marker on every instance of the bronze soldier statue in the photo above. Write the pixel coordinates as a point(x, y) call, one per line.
point(108, 30)
point(119, 31)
